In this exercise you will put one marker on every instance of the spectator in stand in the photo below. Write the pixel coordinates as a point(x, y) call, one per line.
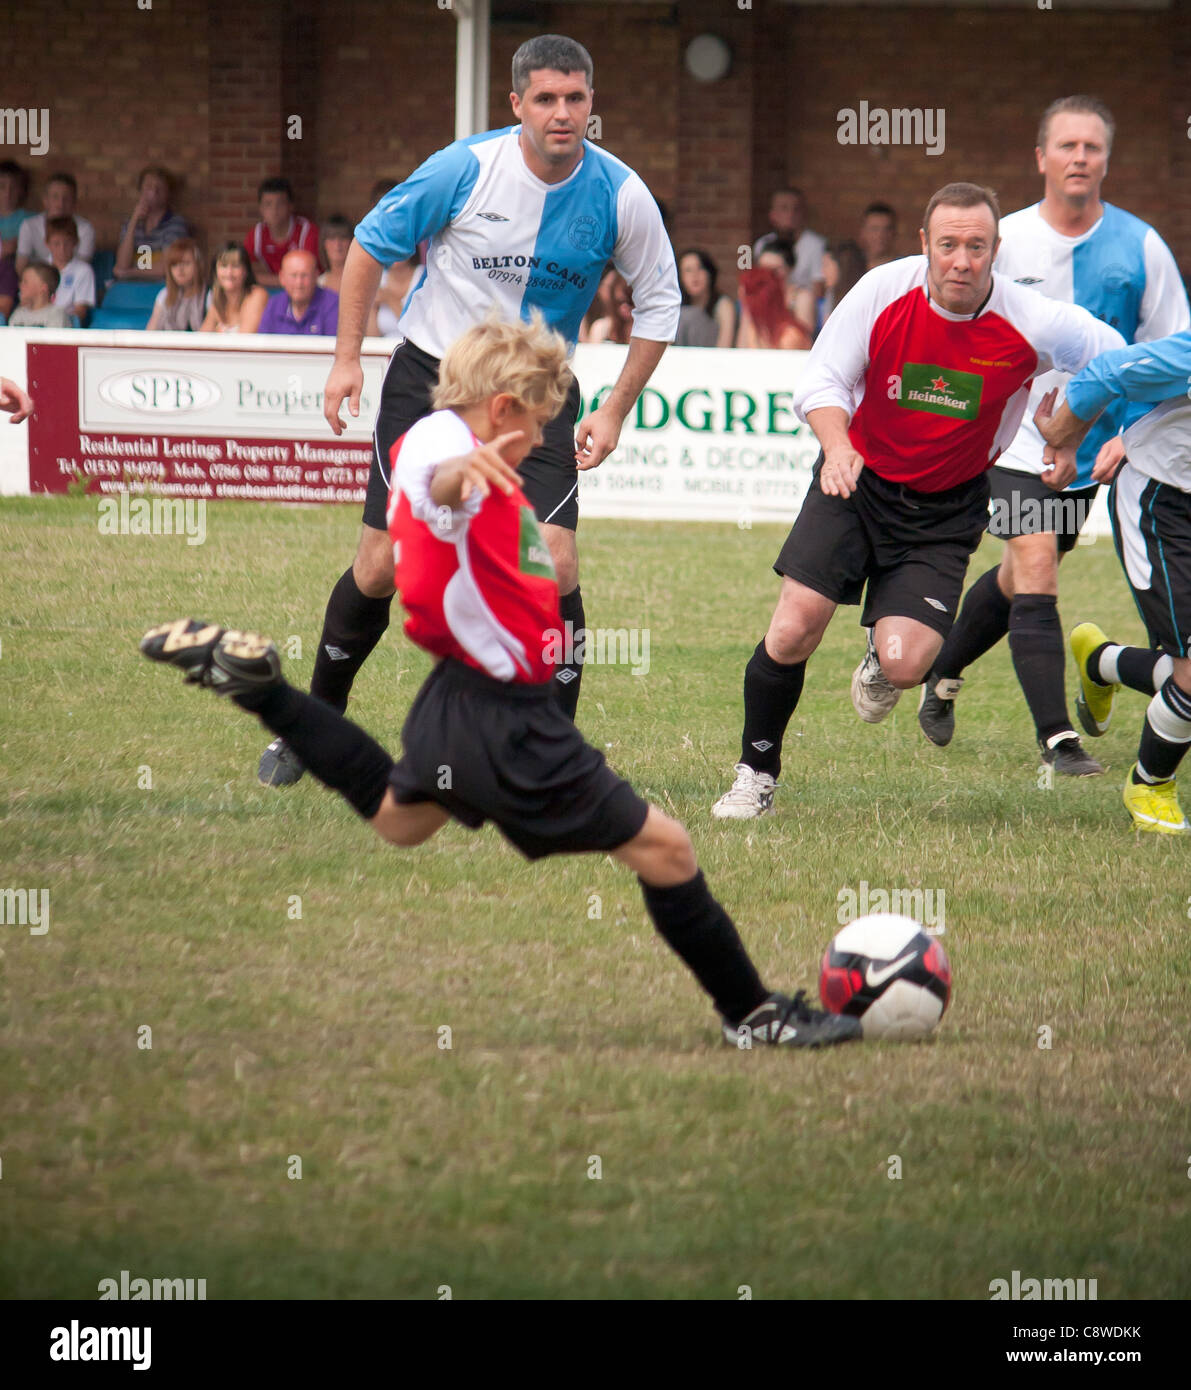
point(9, 286)
point(707, 318)
point(843, 265)
point(337, 239)
point(179, 305)
point(787, 221)
point(395, 284)
point(303, 308)
point(152, 227)
point(878, 232)
point(278, 231)
point(76, 282)
point(617, 324)
point(14, 189)
point(235, 302)
point(765, 317)
point(59, 198)
point(37, 309)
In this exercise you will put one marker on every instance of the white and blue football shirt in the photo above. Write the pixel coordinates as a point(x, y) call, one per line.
point(1121, 271)
point(500, 236)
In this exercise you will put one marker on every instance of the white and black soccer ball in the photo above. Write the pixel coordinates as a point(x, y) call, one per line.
point(885, 970)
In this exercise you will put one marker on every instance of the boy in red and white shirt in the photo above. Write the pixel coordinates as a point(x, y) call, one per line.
point(278, 231)
point(485, 738)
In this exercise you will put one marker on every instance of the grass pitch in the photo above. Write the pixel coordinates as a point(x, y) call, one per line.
point(579, 1044)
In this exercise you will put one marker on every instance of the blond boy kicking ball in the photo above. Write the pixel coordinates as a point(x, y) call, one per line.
point(485, 739)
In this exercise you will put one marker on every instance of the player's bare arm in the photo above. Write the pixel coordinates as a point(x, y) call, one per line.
point(14, 401)
point(455, 479)
point(345, 381)
point(841, 462)
point(598, 433)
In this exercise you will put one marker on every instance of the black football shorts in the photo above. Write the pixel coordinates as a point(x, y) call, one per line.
point(909, 548)
point(1022, 505)
point(484, 749)
point(549, 477)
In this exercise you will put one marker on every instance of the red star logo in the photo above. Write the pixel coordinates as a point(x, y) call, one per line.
point(941, 384)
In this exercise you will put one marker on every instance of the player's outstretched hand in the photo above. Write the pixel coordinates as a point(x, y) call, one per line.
point(14, 401)
point(841, 468)
point(344, 382)
point(455, 480)
point(1059, 467)
point(1109, 459)
point(596, 436)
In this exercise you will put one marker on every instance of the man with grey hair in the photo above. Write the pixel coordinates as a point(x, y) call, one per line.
point(1074, 248)
point(518, 219)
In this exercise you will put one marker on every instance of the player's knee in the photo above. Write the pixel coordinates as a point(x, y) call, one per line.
point(792, 635)
point(373, 565)
point(672, 854)
point(907, 671)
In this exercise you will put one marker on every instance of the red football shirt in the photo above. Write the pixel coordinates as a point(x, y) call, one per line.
point(934, 396)
point(259, 243)
point(477, 583)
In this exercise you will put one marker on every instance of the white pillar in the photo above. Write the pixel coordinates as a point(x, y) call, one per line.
point(471, 66)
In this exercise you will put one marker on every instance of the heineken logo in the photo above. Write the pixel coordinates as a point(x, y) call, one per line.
point(940, 391)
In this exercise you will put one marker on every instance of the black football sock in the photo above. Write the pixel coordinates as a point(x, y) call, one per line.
point(568, 675)
point(983, 620)
point(1165, 736)
point(354, 624)
point(698, 929)
point(339, 753)
point(771, 694)
point(1137, 667)
point(1036, 641)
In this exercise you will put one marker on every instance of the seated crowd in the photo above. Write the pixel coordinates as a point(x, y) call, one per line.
point(285, 275)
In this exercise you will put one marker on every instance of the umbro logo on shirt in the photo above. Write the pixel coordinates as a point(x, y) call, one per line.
point(492, 217)
point(1028, 280)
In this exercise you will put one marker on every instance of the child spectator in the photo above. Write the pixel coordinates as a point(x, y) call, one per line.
point(303, 308)
point(277, 232)
point(14, 189)
point(235, 302)
point(707, 318)
point(617, 324)
point(152, 227)
point(180, 304)
point(37, 310)
point(76, 283)
point(337, 240)
point(61, 193)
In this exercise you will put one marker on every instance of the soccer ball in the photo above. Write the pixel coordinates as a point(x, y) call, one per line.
point(885, 970)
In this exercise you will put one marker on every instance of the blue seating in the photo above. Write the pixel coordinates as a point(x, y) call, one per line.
point(103, 263)
point(131, 296)
point(119, 318)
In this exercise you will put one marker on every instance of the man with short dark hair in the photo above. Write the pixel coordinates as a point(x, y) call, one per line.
point(877, 234)
point(278, 231)
point(912, 388)
point(518, 219)
point(787, 222)
point(1074, 248)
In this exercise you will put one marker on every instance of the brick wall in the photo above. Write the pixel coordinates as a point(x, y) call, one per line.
point(207, 86)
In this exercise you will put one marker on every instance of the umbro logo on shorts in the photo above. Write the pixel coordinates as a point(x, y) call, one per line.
point(566, 675)
point(492, 217)
point(336, 653)
point(762, 745)
point(934, 603)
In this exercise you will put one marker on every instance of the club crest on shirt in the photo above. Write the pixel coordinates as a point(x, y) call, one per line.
point(940, 391)
point(583, 231)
